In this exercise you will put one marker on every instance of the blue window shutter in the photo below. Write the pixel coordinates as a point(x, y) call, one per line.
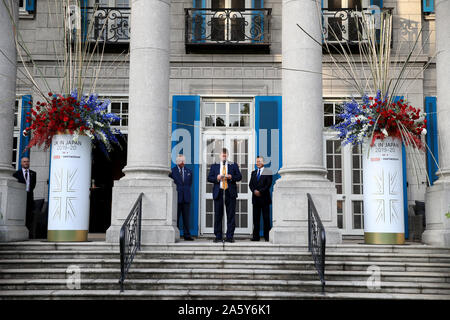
point(268, 122)
point(258, 19)
point(405, 182)
point(198, 22)
point(30, 5)
point(23, 141)
point(428, 6)
point(432, 139)
point(186, 115)
point(84, 19)
point(378, 3)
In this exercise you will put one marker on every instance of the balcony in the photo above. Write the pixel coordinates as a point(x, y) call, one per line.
point(108, 25)
point(227, 30)
point(344, 26)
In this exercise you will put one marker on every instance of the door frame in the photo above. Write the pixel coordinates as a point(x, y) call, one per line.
point(347, 195)
point(228, 135)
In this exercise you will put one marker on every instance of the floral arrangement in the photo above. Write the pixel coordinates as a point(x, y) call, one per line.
point(378, 118)
point(67, 114)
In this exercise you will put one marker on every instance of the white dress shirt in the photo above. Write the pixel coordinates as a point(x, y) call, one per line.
point(27, 181)
point(260, 172)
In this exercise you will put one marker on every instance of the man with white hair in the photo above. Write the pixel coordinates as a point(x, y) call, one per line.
point(182, 177)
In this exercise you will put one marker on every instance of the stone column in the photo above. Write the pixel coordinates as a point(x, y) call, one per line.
point(438, 196)
point(147, 163)
point(303, 169)
point(12, 194)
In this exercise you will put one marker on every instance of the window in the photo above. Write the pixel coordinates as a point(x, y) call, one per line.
point(357, 173)
point(113, 3)
point(330, 110)
point(27, 8)
point(16, 137)
point(121, 109)
point(344, 168)
point(345, 4)
point(226, 114)
point(334, 163)
point(22, 5)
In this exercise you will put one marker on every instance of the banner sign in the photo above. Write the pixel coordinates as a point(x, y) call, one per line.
point(70, 178)
point(383, 192)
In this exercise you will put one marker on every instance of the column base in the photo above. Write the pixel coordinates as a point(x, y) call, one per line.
point(13, 206)
point(290, 210)
point(159, 209)
point(437, 204)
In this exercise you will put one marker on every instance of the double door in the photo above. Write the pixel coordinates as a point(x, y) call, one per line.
point(344, 167)
point(228, 21)
point(240, 151)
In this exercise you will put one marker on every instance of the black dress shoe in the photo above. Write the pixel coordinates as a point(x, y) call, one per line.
point(217, 240)
point(231, 240)
point(254, 239)
point(188, 239)
point(267, 240)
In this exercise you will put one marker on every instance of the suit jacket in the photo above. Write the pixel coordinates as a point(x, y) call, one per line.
point(233, 170)
point(183, 187)
point(263, 185)
point(19, 176)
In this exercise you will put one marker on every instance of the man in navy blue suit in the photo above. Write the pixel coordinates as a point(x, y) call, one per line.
point(260, 184)
point(224, 175)
point(182, 177)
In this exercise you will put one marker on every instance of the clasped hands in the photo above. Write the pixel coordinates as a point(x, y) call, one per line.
point(221, 177)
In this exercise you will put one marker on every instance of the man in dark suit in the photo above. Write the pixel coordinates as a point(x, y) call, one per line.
point(28, 177)
point(224, 175)
point(182, 177)
point(260, 183)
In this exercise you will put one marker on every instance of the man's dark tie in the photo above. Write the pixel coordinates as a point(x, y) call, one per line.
point(258, 175)
point(26, 175)
point(182, 174)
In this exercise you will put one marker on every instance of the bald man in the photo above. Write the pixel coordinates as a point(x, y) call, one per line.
point(27, 177)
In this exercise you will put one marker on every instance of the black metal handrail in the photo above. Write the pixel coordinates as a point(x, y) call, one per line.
point(316, 240)
point(227, 26)
point(345, 24)
point(130, 239)
point(109, 25)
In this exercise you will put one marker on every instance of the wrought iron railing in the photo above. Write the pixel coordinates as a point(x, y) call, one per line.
point(107, 25)
point(316, 240)
point(227, 26)
point(345, 25)
point(130, 239)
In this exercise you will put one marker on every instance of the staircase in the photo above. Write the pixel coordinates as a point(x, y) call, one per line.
point(205, 270)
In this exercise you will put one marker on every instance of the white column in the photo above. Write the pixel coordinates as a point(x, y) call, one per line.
point(438, 196)
point(12, 193)
point(148, 158)
point(303, 169)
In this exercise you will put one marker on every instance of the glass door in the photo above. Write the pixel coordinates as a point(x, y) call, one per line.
point(228, 25)
point(240, 150)
point(344, 166)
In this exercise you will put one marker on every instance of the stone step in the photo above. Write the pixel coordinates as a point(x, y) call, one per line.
point(206, 295)
point(239, 245)
point(307, 275)
point(246, 274)
point(139, 263)
point(331, 256)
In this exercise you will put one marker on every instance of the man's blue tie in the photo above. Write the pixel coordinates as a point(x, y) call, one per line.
point(258, 175)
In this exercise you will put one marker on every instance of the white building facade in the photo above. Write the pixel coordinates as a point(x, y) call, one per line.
point(194, 76)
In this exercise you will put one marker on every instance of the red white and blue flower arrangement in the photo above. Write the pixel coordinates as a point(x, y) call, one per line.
point(380, 117)
point(85, 115)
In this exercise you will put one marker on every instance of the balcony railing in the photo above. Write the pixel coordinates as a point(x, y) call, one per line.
point(227, 30)
point(345, 25)
point(107, 25)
